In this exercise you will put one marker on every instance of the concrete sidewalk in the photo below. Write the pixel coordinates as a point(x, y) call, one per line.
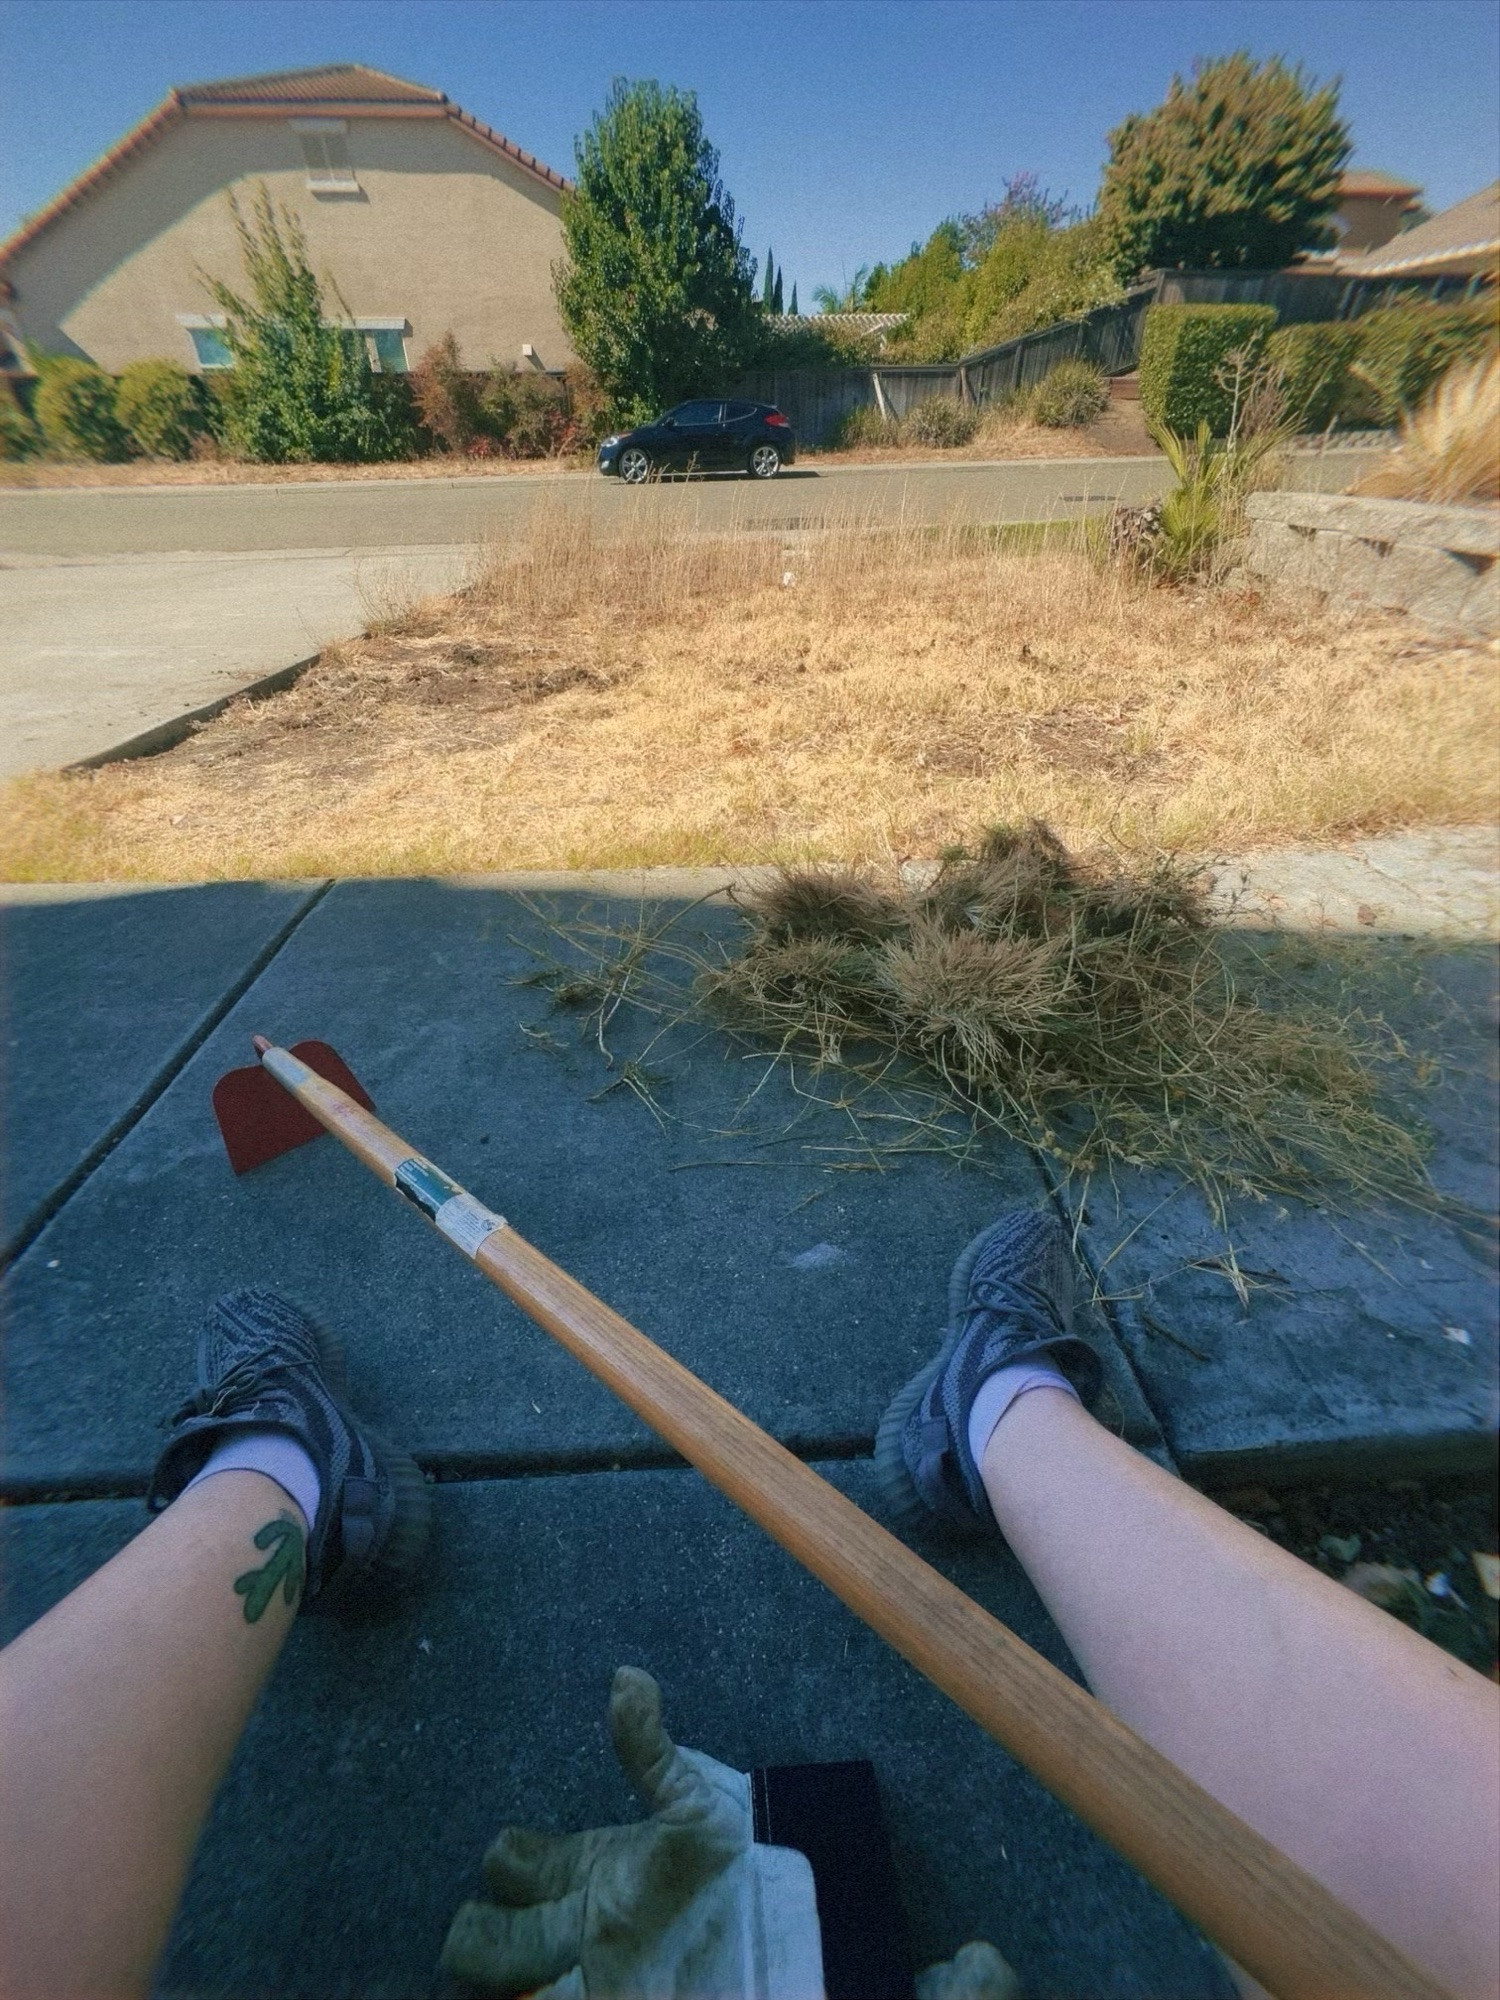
point(725, 1224)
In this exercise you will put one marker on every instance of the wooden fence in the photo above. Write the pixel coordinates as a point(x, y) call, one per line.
point(816, 400)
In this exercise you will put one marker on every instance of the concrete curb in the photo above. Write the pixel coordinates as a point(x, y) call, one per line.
point(167, 735)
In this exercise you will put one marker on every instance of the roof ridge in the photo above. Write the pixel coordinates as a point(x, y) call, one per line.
point(260, 84)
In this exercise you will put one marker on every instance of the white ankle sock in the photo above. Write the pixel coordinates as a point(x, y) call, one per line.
point(997, 1392)
point(276, 1455)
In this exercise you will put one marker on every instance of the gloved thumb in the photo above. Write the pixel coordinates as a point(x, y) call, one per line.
point(641, 1743)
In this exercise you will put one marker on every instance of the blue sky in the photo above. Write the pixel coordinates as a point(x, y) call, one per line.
point(847, 128)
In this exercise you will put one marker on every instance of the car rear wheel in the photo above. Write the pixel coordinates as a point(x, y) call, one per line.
point(635, 466)
point(765, 462)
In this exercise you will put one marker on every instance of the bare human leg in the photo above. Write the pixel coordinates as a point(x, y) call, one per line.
point(119, 1712)
point(1364, 1752)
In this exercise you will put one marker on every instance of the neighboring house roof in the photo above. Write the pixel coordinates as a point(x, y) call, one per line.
point(1369, 181)
point(334, 89)
point(1462, 237)
point(846, 322)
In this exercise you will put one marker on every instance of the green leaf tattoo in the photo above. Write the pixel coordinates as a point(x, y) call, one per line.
point(286, 1565)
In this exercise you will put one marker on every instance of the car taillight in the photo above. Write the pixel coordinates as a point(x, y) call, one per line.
point(775, 417)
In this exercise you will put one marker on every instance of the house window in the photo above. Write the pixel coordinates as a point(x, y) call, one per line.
point(325, 148)
point(387, 345)
point(209, 344)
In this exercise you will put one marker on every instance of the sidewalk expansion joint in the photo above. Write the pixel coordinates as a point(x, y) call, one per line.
point(171, 1069)
point(459, 1468)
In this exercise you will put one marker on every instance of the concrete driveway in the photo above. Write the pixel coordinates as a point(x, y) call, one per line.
point(124, 608)
point(98, 651)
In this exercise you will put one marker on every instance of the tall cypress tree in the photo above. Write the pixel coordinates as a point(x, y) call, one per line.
point(776, 305)
point(768, 290)
point(656, 289)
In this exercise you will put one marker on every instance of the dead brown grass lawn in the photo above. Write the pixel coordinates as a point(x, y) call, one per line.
point(608, 700)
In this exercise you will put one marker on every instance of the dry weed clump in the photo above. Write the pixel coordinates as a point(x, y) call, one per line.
point(1082, 1008)
point(613, 690)
point(1450, 447)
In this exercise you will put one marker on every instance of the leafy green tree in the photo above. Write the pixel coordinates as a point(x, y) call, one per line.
point(656, 289)
point(302, 389)
point(768, 288)
point(1237, 169)
point(1024, 200)
point(794, 298)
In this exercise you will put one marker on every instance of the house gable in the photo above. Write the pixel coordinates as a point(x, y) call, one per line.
point(439, 223)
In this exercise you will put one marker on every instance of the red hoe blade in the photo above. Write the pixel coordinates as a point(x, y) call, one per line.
point(260, 1120)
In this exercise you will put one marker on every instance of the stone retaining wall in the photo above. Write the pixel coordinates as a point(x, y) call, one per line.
point(1437, 563)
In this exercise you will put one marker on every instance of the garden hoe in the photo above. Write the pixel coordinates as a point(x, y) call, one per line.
point(1265, 1911)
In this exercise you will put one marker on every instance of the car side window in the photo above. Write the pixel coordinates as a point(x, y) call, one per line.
point(736, 413)
point(696, 413)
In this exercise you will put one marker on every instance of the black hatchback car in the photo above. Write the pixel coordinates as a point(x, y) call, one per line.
point(725, 435)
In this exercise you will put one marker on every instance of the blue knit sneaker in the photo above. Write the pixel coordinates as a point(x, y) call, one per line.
point(264, 1365)
point(1010, 1299)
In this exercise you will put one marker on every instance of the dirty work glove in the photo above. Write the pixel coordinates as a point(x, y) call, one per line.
point(681, 1904)
point(977, 1973)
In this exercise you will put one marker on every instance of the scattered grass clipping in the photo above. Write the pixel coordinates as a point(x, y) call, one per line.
point(1085, 1011)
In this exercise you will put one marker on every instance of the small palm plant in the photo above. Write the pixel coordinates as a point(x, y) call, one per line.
point(1205, 511)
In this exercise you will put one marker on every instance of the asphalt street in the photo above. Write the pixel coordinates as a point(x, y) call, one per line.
point(124, 608)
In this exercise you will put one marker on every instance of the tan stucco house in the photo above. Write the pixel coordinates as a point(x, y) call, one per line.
point(428, 221)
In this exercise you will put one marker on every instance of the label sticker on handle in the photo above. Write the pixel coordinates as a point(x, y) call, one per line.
point(467, 1222)
point(448, 1207)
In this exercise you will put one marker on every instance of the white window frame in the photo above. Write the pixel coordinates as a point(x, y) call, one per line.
point(206, 323)
point(377, 324)
point(326, 151)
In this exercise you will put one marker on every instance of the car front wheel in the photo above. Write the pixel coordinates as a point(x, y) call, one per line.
point(635, 466)
point(765, 462)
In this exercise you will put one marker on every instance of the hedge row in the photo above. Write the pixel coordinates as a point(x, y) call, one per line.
point(1186, 365)
point(1354, 373)
point(156, 409)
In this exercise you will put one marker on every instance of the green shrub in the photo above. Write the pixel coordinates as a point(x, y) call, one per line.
point(162, 407)
point(1185, 356)
point(19, 436)
point(526, 414)
point(1404, 349)
point(1311, 365)
point(939, 421)
point(304, 387)
point(1074, 392)
point(75, 408)
point(858, 429)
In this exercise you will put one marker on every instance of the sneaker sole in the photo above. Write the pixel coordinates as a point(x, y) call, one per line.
point(896, 1485)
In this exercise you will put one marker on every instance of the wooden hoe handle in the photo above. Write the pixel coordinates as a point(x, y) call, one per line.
point(1270, 1915)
